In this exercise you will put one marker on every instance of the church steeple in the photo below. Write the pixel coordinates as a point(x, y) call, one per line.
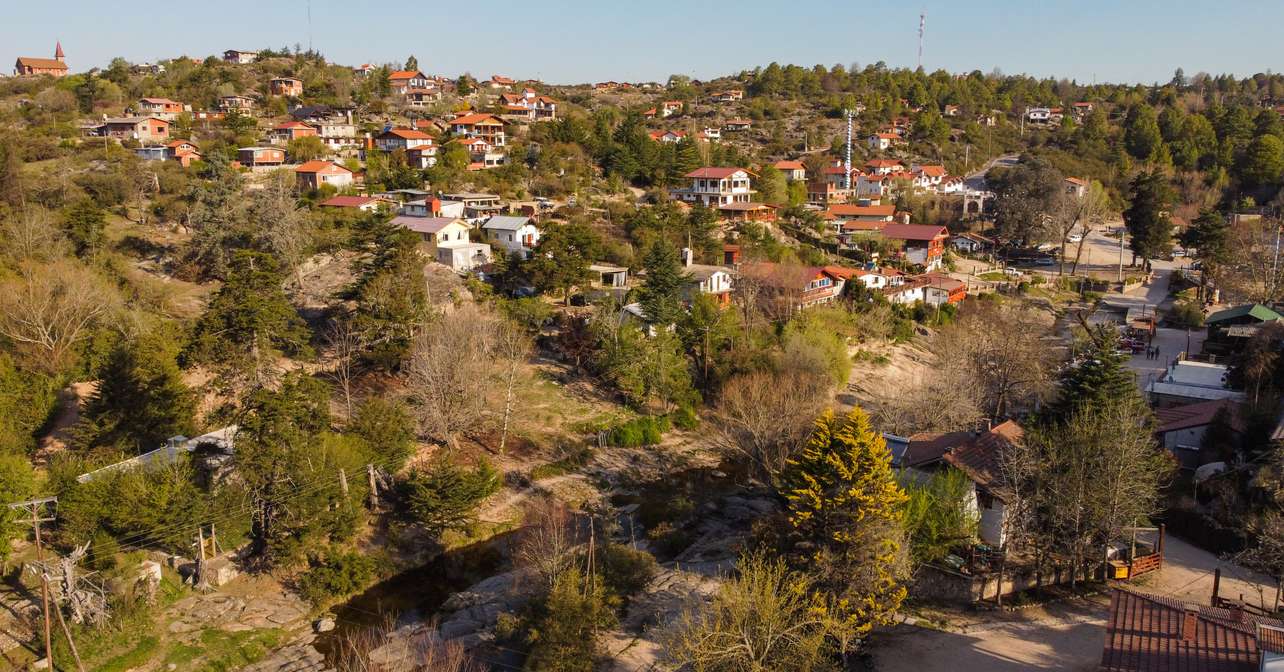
point(58, 51)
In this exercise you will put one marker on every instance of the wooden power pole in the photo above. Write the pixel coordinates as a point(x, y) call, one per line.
point(37, 507)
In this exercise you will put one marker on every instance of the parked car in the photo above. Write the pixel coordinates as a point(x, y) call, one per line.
point(1013, 272)
point(1075, 237)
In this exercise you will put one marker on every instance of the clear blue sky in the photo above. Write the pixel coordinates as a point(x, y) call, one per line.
point(585, 40)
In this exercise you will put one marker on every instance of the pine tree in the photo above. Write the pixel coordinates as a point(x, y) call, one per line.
point(140, 400)
point(661, 294)
point(1102, 379)
point(844, 502)
point(566, 622)
point(1147, 216)
point(391, 295)
point(444, 495)
point(249, 320)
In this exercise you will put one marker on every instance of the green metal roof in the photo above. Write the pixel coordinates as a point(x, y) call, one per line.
point(1257, 311)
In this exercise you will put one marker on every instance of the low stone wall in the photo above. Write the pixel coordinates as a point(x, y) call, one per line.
point(939, 584)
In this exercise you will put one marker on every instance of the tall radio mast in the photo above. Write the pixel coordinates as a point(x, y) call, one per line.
point(847, 155)
point(922, 26)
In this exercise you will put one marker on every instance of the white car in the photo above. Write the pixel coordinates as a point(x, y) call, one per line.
point(1075, 237)
point(1013, 272)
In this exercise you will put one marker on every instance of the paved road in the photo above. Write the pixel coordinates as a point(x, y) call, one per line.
point(976, 179)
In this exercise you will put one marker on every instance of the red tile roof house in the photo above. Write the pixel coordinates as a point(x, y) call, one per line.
point(716, 187)
point(423, 97)
point(402, 138)
point(423, 156)
point(182, 151)
point(402, 81)
point(479, 125)
point(313, 174)
point(500, 82)
point(883, 141)
point(884, 166)
point(924, 243)
point(942, 289)
point(160, 108)
point(786, 289)
point(728, 96)
point(794, 171)
point(286, 86)
point(283, 133)
point(670, 107)
point(979, 457)
point(362, 203)
point(252, 157)
point(1150, 633)
point(481, 153)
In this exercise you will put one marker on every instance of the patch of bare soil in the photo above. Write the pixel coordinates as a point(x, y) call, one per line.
point(71, 402)
point(881, 368)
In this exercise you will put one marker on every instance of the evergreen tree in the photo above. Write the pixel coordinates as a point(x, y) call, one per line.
point(844, 501)
point(1209, 237)
point(391, 294)
point(249, 320)
point(661, 294)
point(445, 495)
point(561, 258)
point(281, 449)
point(563, 638)
point(1147, 216)
point(1141, 133)
point(1102, 378)
point(140, 400)
point(84, 222)
point(1263, 162)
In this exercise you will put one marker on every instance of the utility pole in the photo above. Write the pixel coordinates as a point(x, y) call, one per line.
point(847, 156)
point(374, 487)
point(1121, 260)
point(35, 507)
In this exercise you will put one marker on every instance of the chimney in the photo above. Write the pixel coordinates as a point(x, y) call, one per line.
point(1189, 624)
point(1236, 612)
point(686, 256)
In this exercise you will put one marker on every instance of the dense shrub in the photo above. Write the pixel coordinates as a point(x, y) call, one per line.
point(625, 570)
point(335, 574)
point(644, 431)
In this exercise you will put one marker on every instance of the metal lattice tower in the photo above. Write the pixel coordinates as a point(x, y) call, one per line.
point(847, 154)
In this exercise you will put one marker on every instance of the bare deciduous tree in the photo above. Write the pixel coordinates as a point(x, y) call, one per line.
point(450, 372)
point(942, 401)
point(31, 235)
point(512, 349)
point(763, 417)
point(549, 540)
point(385, 647)
point(47, 310)
point(1001, 348)
point(345, 346)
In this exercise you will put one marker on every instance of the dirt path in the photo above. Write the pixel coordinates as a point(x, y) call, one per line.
point(1067, 636)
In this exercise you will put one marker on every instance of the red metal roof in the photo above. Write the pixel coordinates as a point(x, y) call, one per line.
point(318, 166)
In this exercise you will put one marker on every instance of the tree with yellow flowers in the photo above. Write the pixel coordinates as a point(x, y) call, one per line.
point(848, 512)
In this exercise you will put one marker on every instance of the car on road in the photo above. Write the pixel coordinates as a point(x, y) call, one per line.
point(1046, 261)
point(1075, 237)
